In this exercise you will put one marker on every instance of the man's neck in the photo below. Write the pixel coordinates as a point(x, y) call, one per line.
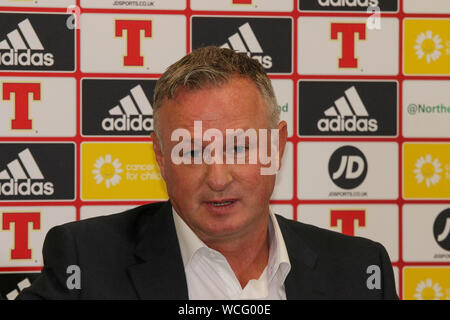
point(248, 255)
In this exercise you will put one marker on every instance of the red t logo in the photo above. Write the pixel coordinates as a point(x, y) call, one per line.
point(21, 92)
point(133, 27)
point(21, 221)
point(242, 1)
point(348, 218)
point(348, 31)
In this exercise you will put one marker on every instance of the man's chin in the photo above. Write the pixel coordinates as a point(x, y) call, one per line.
point(224, 226)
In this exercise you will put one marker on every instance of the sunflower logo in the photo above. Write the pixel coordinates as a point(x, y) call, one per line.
point(428, 169)
point(428, 46)
point(426, 290)
point(107, 170)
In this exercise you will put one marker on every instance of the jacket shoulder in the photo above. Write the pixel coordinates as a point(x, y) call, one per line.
point(108, 234)
point(117, 222)
point(345, 267)
point(331, 243)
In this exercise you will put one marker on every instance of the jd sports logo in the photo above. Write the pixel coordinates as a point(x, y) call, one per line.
point(348, 5)
point(37, 171)
point(245, 41)
point(268, 40)
point(441, 229)
point(36, 42)
point(345, 108)
point(117, 107)
point(347, 167)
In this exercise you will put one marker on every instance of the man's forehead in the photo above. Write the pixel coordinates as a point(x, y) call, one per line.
point(215, 104)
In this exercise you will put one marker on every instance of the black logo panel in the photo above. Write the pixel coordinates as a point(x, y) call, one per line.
point(349, 5)
point(441, 229)
point(113, 107)
point(37, 171)
point(347, 108)
point(36, 42)
point(268, 40)
point(11, 284)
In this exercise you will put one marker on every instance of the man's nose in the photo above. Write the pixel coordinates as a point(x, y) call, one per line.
point(218, 176)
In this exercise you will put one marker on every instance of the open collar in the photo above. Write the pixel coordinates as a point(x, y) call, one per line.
point(160, 272)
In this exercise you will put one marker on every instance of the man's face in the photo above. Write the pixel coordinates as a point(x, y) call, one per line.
point(217, 201)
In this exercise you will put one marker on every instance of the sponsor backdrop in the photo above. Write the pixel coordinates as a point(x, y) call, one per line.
point(364, 86)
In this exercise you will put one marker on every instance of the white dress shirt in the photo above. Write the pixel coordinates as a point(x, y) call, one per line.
point(209, 275)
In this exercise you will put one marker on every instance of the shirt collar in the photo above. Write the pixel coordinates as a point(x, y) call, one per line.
point(278, 255)
point(188, 240)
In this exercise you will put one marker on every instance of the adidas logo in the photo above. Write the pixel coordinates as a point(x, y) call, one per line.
point(25, 283)
point(20, 174)
point(17, 49)
point(347, 115)
point(245, 41)
point(348, 3)
point(135, 113)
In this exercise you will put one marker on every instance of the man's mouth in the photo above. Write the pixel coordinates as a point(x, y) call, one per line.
point(222, 203)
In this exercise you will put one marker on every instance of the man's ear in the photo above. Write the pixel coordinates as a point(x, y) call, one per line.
point(282, 134)
point(157, 148)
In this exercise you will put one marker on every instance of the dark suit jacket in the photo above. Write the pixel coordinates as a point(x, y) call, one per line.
point(136, 255)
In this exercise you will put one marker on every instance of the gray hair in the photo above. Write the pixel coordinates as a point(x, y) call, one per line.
point(212, 66)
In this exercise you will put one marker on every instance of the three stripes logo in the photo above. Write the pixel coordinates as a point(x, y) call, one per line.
point(245, 41)
point(267, 40)
point(134, 113)
point(348, 114)
point(117, 107)
point(11, 284)
point(22, 47)
point(23, 177)
point(25, 283)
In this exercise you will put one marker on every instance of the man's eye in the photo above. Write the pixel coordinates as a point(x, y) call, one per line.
point(240, 149)
point(193, 153)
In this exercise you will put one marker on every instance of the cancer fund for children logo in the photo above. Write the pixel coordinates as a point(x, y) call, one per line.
point(427, 46)
point(120, 171)
point(107, 170)
point(426, 170)
point(426, 283)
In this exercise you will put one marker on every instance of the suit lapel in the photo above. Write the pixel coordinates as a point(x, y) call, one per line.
point(303, 280)
point(160, 274)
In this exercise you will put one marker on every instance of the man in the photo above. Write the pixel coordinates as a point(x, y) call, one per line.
point(216, 237)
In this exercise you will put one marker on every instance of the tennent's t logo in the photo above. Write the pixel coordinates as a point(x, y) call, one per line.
point(21, 92)
point(21, 221)
point(133, 28)
point(348, 31)
point(348, 218)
